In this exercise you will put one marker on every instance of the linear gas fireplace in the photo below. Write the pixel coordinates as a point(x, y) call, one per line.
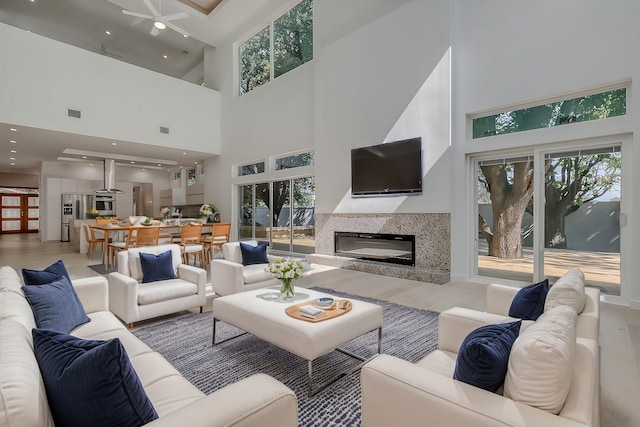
point(391, 248)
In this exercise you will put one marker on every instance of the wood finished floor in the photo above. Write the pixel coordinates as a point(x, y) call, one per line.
point(619, 326)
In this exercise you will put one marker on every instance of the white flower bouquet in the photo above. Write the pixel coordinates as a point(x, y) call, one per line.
point(208, 210)
point(287, 271)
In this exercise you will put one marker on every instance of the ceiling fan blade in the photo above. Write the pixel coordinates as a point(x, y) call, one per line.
point(153, 10)
point(174, 27)
point(136, 14)
point(154, 31)
point(173, 16)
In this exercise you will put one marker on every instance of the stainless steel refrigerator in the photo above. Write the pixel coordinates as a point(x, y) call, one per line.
point(74, 206)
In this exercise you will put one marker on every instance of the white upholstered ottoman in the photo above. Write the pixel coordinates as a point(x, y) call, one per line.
point(267, 320)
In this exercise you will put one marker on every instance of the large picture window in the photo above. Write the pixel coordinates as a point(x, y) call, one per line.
point(285, 44)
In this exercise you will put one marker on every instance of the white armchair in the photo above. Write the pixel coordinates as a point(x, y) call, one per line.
point(132, 301)
point(229, 276)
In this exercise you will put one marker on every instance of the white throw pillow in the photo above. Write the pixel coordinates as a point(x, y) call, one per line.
point(568, 290)
point(541, 361)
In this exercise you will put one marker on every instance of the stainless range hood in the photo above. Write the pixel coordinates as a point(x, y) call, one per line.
point(109, 178)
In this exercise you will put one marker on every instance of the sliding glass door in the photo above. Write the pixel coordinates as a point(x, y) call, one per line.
point(582, 215)
point(279, 212)
point(547, 211)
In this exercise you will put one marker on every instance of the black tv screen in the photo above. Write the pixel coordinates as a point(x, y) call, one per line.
point(392, 168)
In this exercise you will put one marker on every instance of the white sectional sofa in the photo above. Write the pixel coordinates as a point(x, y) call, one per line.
point(397, 392)
point(257, 400)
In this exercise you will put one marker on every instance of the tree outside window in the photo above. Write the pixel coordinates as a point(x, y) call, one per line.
point(255, 63)
point(292, 46)
point(293, 38)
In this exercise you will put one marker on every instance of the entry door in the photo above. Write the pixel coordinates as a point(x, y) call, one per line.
point(20, 213)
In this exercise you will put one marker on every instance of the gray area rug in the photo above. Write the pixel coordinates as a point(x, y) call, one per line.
point(407, 332)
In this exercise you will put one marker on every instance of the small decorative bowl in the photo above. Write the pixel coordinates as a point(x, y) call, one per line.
point(324, 302)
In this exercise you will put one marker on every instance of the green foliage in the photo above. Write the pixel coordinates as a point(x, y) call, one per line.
point(591, 107)
point(581, 179)
point(292, 47)
point(293, 38)
point(296, 161)
point(254, 61)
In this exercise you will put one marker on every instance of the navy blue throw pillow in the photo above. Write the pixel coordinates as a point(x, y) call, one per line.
point(90, 382)
point(48, 275)
point(254, 254)
point(484, 355)
point(528, 304)
point(55, 305)
point(157, 267)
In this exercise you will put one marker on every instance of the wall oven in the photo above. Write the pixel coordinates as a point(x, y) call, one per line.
point(105, 204)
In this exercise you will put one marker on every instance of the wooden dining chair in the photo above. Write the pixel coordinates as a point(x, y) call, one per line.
point(190, 244)
point(145, 236)
point(115, 247)
point(220, 233)
point(92, 240)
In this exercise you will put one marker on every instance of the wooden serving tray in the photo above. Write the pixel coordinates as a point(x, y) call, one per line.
point(339, 307)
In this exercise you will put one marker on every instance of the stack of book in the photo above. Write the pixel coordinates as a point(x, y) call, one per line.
point(310, 311)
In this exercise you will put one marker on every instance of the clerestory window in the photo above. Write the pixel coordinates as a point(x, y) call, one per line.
point(580, 109)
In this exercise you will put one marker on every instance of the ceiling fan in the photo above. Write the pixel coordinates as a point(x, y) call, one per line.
point(160, 21)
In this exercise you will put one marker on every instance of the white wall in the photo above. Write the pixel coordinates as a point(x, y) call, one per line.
point(509, 53)
point(275, 118)
point(41, 78)
point(371, 80)
point(384, 81)
point(18, 180)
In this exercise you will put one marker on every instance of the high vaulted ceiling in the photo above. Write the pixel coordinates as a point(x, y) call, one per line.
point(84, 23)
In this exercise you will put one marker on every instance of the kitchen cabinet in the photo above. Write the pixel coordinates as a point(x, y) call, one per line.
point(173, 197)
point(85, 186)
point(69, 185)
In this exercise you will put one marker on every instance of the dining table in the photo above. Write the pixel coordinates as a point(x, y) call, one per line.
point(109, 229)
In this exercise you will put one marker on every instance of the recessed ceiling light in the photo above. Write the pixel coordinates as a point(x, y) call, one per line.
point(14, 130)
point(195, 163)
point(84, 157)
point(12, 158)
point(13, 141)
point(164, 56)
point(114, 143)
point(12, 164)
point(159, 164)
point(185, 36)
point(133, 163)
point(108, 32)
point(184, 153)
point(159, 25)
point(90, 164)
point(13, 151)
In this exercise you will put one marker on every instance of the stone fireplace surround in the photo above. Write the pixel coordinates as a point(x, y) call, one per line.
point(433, 243)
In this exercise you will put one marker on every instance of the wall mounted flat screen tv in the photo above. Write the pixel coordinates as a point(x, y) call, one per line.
point(393, 168)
